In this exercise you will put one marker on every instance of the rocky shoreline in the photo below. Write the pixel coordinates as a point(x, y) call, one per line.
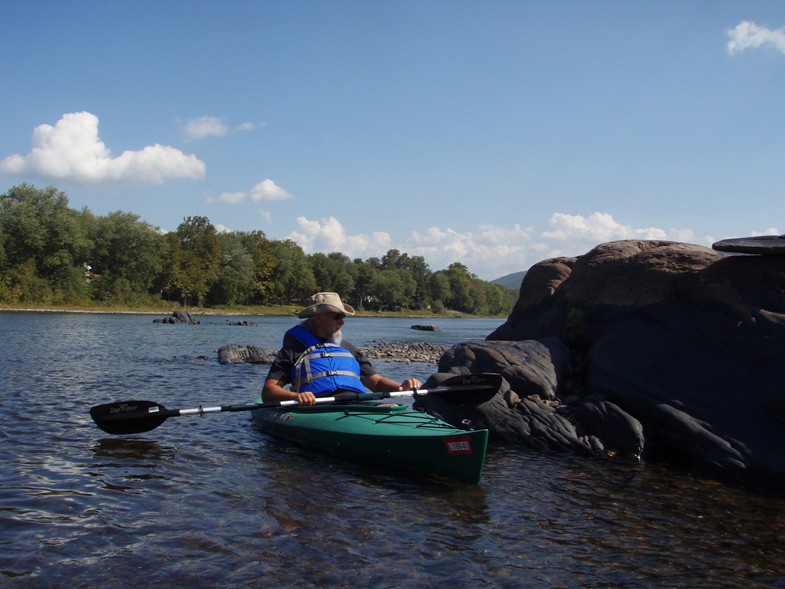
point(419, 353)
point(406, 353)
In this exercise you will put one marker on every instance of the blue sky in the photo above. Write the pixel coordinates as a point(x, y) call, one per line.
point(494, 133)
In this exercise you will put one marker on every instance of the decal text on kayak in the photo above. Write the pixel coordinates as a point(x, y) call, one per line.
point(459, 445)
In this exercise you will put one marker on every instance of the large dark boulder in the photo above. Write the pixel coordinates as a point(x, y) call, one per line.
point(527, 411)
point(532, 367)
point(529, 422)
point(676, 351)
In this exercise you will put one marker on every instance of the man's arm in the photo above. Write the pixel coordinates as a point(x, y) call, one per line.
point(274, 392)
point(381, 384)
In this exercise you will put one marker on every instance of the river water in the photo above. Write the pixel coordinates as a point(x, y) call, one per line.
point(212, 502)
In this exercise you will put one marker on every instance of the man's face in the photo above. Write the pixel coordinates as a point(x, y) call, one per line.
point(327, 325)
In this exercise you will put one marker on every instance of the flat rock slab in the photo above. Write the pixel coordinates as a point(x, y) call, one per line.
point(765, 245)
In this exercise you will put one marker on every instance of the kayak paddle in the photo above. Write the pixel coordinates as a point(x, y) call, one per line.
point(135, 417)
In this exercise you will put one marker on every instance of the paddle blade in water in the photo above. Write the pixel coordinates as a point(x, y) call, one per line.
point(129, 417)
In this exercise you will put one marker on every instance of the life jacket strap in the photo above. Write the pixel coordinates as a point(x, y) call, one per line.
point(312, 377)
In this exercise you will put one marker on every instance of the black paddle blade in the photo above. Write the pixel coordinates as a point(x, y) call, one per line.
point(471, 389)
point(129, 417)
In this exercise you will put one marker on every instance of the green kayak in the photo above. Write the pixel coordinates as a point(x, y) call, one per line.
point(393, 435)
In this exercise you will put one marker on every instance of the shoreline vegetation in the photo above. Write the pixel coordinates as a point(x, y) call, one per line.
point(276, 310)
point(52, 256)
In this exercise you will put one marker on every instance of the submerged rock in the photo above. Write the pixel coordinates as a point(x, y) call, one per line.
point(236, 353)
point(180, 316)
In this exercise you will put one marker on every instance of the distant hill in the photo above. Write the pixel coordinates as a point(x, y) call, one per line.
point(511, 281)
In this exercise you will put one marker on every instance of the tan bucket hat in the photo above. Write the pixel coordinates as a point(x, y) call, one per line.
point(325, 302)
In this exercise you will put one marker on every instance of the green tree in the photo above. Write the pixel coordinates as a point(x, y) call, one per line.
point(421, 274)
point(293, 279)
point(364, 275)
point(2, 248)
point(264, 263)
point(440, 286)
point(195, 260)
point(236, 279)
point(478, 301)
point(21, 284)
point(247, 265)
point(22, 210)
point(391, 260)
point(43, 238)
point(500, 299)
point(374, 263)
point(417, 268)
point(459, 280)
point(393, 289)
point(332, 273)
point(126, 258)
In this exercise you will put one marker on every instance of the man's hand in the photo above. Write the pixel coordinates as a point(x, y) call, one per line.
point(410, 384)
point(306, 398)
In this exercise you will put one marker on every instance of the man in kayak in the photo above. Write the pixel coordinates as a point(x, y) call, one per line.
point(316, 361)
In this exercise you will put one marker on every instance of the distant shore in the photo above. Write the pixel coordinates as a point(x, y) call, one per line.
point(58, 310)
point(119, 311)
point(148, 311)
point(284, 311)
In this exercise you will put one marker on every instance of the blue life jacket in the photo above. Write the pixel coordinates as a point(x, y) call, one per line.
point(324, 367)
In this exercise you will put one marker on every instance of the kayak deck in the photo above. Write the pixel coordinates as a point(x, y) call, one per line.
point(393, 435)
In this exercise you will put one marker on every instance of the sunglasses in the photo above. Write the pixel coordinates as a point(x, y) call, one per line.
point(336, 316)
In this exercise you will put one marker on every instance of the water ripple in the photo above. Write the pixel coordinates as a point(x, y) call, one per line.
point(212, 502)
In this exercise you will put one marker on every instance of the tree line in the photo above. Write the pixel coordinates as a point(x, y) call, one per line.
point(53, 254)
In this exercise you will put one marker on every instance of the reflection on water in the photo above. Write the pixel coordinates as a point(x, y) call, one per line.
point(148, 452)
point(121, 461)
point(211, 502)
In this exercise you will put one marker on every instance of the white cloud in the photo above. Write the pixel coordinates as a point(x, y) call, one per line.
point(265, 191)
point(769, 231)
point(208, 126)
point(748, 35)
point(231, 197)
point(489, 252)
point(329, 235)
point(205, 127)
point(573, 235)
point(72, 150)
point(597, 227)
point(268, 190)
